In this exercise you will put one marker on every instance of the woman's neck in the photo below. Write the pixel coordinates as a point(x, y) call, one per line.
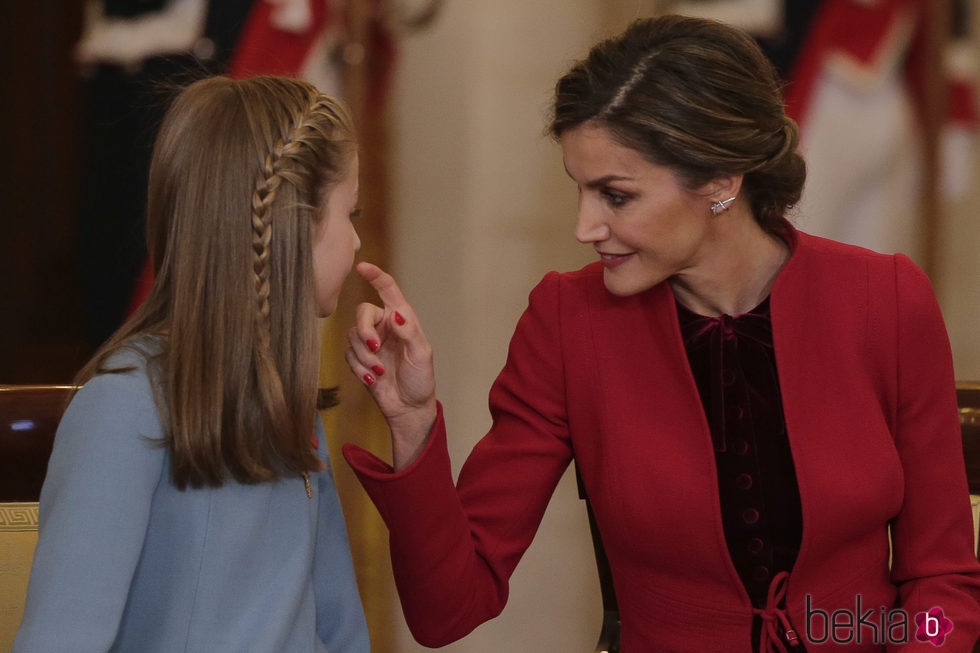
point(735, 271)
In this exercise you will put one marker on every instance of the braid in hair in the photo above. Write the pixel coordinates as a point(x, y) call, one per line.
point(279, 166)
point(262, 199)
point(306, 157)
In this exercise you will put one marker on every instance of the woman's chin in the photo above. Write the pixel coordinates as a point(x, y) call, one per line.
point(624, 286)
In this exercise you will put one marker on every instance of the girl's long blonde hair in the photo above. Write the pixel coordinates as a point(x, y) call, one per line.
point(239, 172)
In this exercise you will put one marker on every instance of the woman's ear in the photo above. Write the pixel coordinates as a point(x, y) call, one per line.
point(721, 188)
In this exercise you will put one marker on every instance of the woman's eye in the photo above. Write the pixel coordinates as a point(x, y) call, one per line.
point(615, 198)
point(355, 213)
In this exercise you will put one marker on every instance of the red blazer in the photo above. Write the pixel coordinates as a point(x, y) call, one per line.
point(868, 393)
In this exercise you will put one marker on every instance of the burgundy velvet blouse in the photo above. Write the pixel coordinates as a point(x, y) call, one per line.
point(734, 366)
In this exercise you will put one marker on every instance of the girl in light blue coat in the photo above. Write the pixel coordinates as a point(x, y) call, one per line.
point(189, 503)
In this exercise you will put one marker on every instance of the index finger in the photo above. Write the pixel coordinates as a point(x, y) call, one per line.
point(384, 284)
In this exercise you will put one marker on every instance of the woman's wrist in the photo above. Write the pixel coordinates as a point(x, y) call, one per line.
point(410, 433)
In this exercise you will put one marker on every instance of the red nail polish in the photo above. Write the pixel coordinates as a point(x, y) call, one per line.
point(378, 369)
point(399, 319)
point(369, 379)
point(373, 344)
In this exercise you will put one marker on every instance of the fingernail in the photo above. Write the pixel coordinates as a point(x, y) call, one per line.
point(373, 344)
point(369, 379)
point(399, 320)
point(378, 369)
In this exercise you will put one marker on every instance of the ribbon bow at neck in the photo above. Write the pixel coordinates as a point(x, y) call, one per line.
point(723, 335)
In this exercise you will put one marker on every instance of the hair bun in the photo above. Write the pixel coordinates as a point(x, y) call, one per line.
point(786, 139)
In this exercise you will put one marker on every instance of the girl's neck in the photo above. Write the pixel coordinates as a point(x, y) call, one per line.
point(736, 270)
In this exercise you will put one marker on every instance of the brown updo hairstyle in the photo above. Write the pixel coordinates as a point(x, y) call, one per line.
point(697, 96)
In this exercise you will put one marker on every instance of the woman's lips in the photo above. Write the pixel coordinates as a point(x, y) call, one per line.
point(610, 261)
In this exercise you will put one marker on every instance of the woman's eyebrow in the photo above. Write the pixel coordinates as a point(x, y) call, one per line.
point(601, 181)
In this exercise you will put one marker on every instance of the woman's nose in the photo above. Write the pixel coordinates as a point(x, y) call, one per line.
point(590, 228)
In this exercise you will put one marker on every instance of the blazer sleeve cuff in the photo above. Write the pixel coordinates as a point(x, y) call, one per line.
point(415, 490)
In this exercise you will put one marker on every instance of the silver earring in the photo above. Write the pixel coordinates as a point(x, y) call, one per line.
point(721, 205)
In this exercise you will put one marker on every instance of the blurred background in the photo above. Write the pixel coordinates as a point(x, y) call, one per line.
point(463, 197)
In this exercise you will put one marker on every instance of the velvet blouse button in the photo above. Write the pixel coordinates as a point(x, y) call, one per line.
point(760, 573)
point(756, 545)
point(741, 447)
point(728, 377)
point(750, 515)
point(743, 481)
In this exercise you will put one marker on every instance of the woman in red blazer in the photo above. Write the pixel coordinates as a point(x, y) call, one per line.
point(753, 409)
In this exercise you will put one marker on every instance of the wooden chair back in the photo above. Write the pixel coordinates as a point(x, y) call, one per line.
point(29, 416)
point(609, 631)
point(968, 398)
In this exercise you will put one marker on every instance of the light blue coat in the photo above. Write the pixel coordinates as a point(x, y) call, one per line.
point(127, 562)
